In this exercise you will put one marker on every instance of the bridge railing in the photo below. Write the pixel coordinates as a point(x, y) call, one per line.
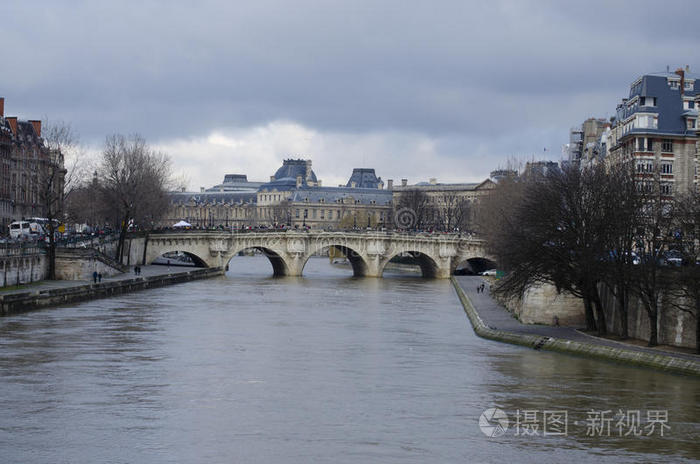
point(368, 232)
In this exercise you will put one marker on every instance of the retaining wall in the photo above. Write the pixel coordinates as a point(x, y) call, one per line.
point(20, 302)
point(621, 355)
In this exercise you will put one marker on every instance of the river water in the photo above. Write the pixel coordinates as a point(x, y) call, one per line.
point(324, 368)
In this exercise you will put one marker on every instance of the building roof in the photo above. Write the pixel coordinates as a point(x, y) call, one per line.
point(235, 183)
point(213, 197)
point(364, 178)
point(669, 102)
point(292, 168)
point(332, 195)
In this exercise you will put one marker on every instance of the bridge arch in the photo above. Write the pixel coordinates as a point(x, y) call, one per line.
point(429, 266)
point(359, 262)
point(172, 258)
point(280, 267)
point(472, 264)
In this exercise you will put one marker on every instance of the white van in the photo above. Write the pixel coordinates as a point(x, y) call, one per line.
point(20, 229)
point(28, 229)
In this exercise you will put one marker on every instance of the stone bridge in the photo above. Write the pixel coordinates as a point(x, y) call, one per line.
point(288, 251)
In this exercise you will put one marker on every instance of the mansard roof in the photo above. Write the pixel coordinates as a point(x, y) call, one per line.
point(364, 178)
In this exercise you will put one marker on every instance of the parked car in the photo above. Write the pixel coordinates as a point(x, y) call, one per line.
point(490, 272)
point(673, 258)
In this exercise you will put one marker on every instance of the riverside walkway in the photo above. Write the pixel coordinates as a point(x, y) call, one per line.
point(494, 316)
point(146, 271)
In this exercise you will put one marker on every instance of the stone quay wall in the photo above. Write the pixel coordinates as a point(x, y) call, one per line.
point(22, 265)
point(25, 301)
point(674, 326)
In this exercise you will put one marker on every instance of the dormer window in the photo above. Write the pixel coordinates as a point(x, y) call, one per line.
point(647, 101)
point(688, 85)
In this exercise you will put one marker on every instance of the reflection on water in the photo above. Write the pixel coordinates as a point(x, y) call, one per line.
point(324, 368)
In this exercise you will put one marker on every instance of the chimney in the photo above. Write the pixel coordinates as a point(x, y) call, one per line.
point(380, 184)
point(308, 169)
point(687, 68)
point(681, 73)
point(433, 181)
point(298, 181)
point(353, 184)
point(201, 189)
point(272, 178)
point(13, 124)
point(404, 182)
point(2, 107)
point(182, 189)
point(390, 184)
point(37, 127)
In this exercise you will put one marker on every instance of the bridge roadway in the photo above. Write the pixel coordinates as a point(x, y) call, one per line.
point(368, 251)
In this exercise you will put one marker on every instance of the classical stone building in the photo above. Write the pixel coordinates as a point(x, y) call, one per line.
point(436, 205)
point(25, 161)
point(293, 197)
point(656, 127)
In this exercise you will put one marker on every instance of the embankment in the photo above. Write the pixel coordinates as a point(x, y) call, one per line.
point(588, 350)
point(14, 303)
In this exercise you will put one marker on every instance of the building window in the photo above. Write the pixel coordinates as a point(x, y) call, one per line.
point(688, 85)
point(650, 144)
point(296, 215)
point(323, 214)
point(667, 145)
point(691, 123)
point(666, 168)
point(640, 144)
point(313, 213)
point(666, 189)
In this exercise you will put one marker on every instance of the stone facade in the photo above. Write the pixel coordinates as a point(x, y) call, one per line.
point(22, 265)
point(25, 164)
point(656, 127)
point(542, 304)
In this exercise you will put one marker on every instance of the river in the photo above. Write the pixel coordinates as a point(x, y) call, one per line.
point(324, 368)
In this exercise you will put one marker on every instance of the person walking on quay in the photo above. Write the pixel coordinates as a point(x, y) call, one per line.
point(99, 277)
point(94, 276)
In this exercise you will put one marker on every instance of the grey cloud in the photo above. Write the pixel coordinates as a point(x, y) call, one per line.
point(446, 69)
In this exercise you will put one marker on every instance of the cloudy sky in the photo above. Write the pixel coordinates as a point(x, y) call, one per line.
point(416, 89)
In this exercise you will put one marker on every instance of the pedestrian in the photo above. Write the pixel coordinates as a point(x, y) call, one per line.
point(99, 277)
point(94, 276)
point(483, 286)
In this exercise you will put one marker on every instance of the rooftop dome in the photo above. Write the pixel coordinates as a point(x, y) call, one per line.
point(364, 178)
point(292, 168)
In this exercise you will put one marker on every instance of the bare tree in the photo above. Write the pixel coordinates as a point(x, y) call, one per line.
point(60, 173)
point(134, 180)
point(654, 234)
point(685, 283)
point(625, 199)
point(552, 231)
point(413, 210)
point(282, 212)
point(454, 211)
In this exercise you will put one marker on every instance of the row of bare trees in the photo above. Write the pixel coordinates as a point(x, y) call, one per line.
point(125, 186)
point(444, 211)
point(583, 230)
